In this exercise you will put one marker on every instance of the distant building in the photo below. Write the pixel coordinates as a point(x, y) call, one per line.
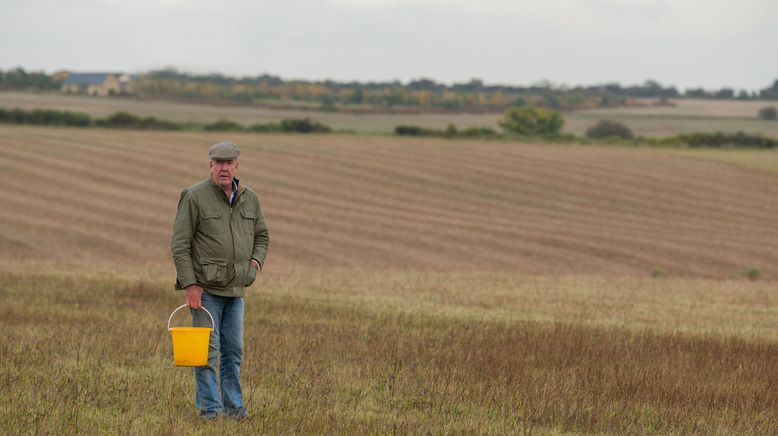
point(97, 84)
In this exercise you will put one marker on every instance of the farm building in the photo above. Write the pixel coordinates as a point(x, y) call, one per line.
point(97, 84)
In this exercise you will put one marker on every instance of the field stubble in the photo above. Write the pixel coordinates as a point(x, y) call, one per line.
point(91, 355)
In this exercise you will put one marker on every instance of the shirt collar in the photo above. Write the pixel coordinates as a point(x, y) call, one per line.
point(234, 195)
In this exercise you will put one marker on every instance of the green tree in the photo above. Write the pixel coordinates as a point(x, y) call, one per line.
point(607, 129)
point(530, 121)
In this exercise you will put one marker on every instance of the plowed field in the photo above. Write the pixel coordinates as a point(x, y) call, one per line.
point(76, 197)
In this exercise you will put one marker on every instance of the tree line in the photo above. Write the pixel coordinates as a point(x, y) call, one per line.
point(125, 120)
point(395, 96)
point(526, 123)
point(532, 123)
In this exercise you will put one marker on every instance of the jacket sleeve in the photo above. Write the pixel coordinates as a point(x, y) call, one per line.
point(261, 237)
point(181, 243)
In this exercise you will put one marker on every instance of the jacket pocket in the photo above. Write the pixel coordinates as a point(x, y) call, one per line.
point(251, 275)
point(210, 222)
point(215, 272)
point(247, 223)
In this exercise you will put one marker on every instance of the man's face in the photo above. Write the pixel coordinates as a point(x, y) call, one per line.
point(223, 171)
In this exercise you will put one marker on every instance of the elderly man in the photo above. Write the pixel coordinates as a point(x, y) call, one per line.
point(220, 241)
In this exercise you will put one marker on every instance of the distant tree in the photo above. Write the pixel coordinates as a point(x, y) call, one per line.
point(327, 103)
point(770, 92)
point(425, 84)
point(697, 93)
point(357, 96)
point(768, 113)
point(530, 121)
point(652, 87)
point(551, 101)
point(725, 93)
point(519, 101)
point(608, 129)
point(19, 79)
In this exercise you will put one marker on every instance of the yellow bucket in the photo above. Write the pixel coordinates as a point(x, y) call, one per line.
point(190, 344)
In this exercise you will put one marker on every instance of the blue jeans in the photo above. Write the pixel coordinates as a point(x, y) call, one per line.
point(226, 340)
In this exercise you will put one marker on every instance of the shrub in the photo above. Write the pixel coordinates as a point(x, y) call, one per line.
point(121, 119)
point(450, 132)
point(530, 121)
point(720, 140)
point(752, 274)
point(224, 126)
point(408, 130)
point(478, 132)
point(657, 273)
point(608, 129)
point(303, 125)
point(127, 120)
point(45, 117)
point(768, 113)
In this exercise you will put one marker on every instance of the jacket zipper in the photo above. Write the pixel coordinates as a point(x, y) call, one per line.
point(232, 237)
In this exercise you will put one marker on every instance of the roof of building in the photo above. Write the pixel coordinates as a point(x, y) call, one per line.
point(86, 78)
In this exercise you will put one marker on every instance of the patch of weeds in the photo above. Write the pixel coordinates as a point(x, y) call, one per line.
point(752, 274)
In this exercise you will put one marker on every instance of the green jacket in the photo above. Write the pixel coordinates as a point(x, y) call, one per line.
point(213, 243)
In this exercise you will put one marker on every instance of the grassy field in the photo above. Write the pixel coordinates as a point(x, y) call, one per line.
point(684, 117)
point(412, 286)
point(341, 352)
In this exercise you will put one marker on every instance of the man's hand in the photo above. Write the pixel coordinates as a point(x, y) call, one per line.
point(194, 296)
point(255, 264)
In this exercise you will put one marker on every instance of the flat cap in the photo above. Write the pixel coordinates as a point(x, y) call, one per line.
point(224, 151)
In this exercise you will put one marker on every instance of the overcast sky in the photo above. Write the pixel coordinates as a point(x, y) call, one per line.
point(708, 43)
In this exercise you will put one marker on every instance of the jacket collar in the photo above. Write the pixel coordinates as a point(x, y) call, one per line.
point(235, 182)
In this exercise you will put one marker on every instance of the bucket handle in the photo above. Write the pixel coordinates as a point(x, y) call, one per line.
point(183, 306)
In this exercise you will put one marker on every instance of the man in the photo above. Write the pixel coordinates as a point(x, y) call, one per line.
point(220, 241)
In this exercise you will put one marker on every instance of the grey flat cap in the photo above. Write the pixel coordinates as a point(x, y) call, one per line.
point(224, 151)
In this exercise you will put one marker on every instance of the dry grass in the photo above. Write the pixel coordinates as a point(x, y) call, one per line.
point(694, 108)
point(91, 355)
point(728, 308)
